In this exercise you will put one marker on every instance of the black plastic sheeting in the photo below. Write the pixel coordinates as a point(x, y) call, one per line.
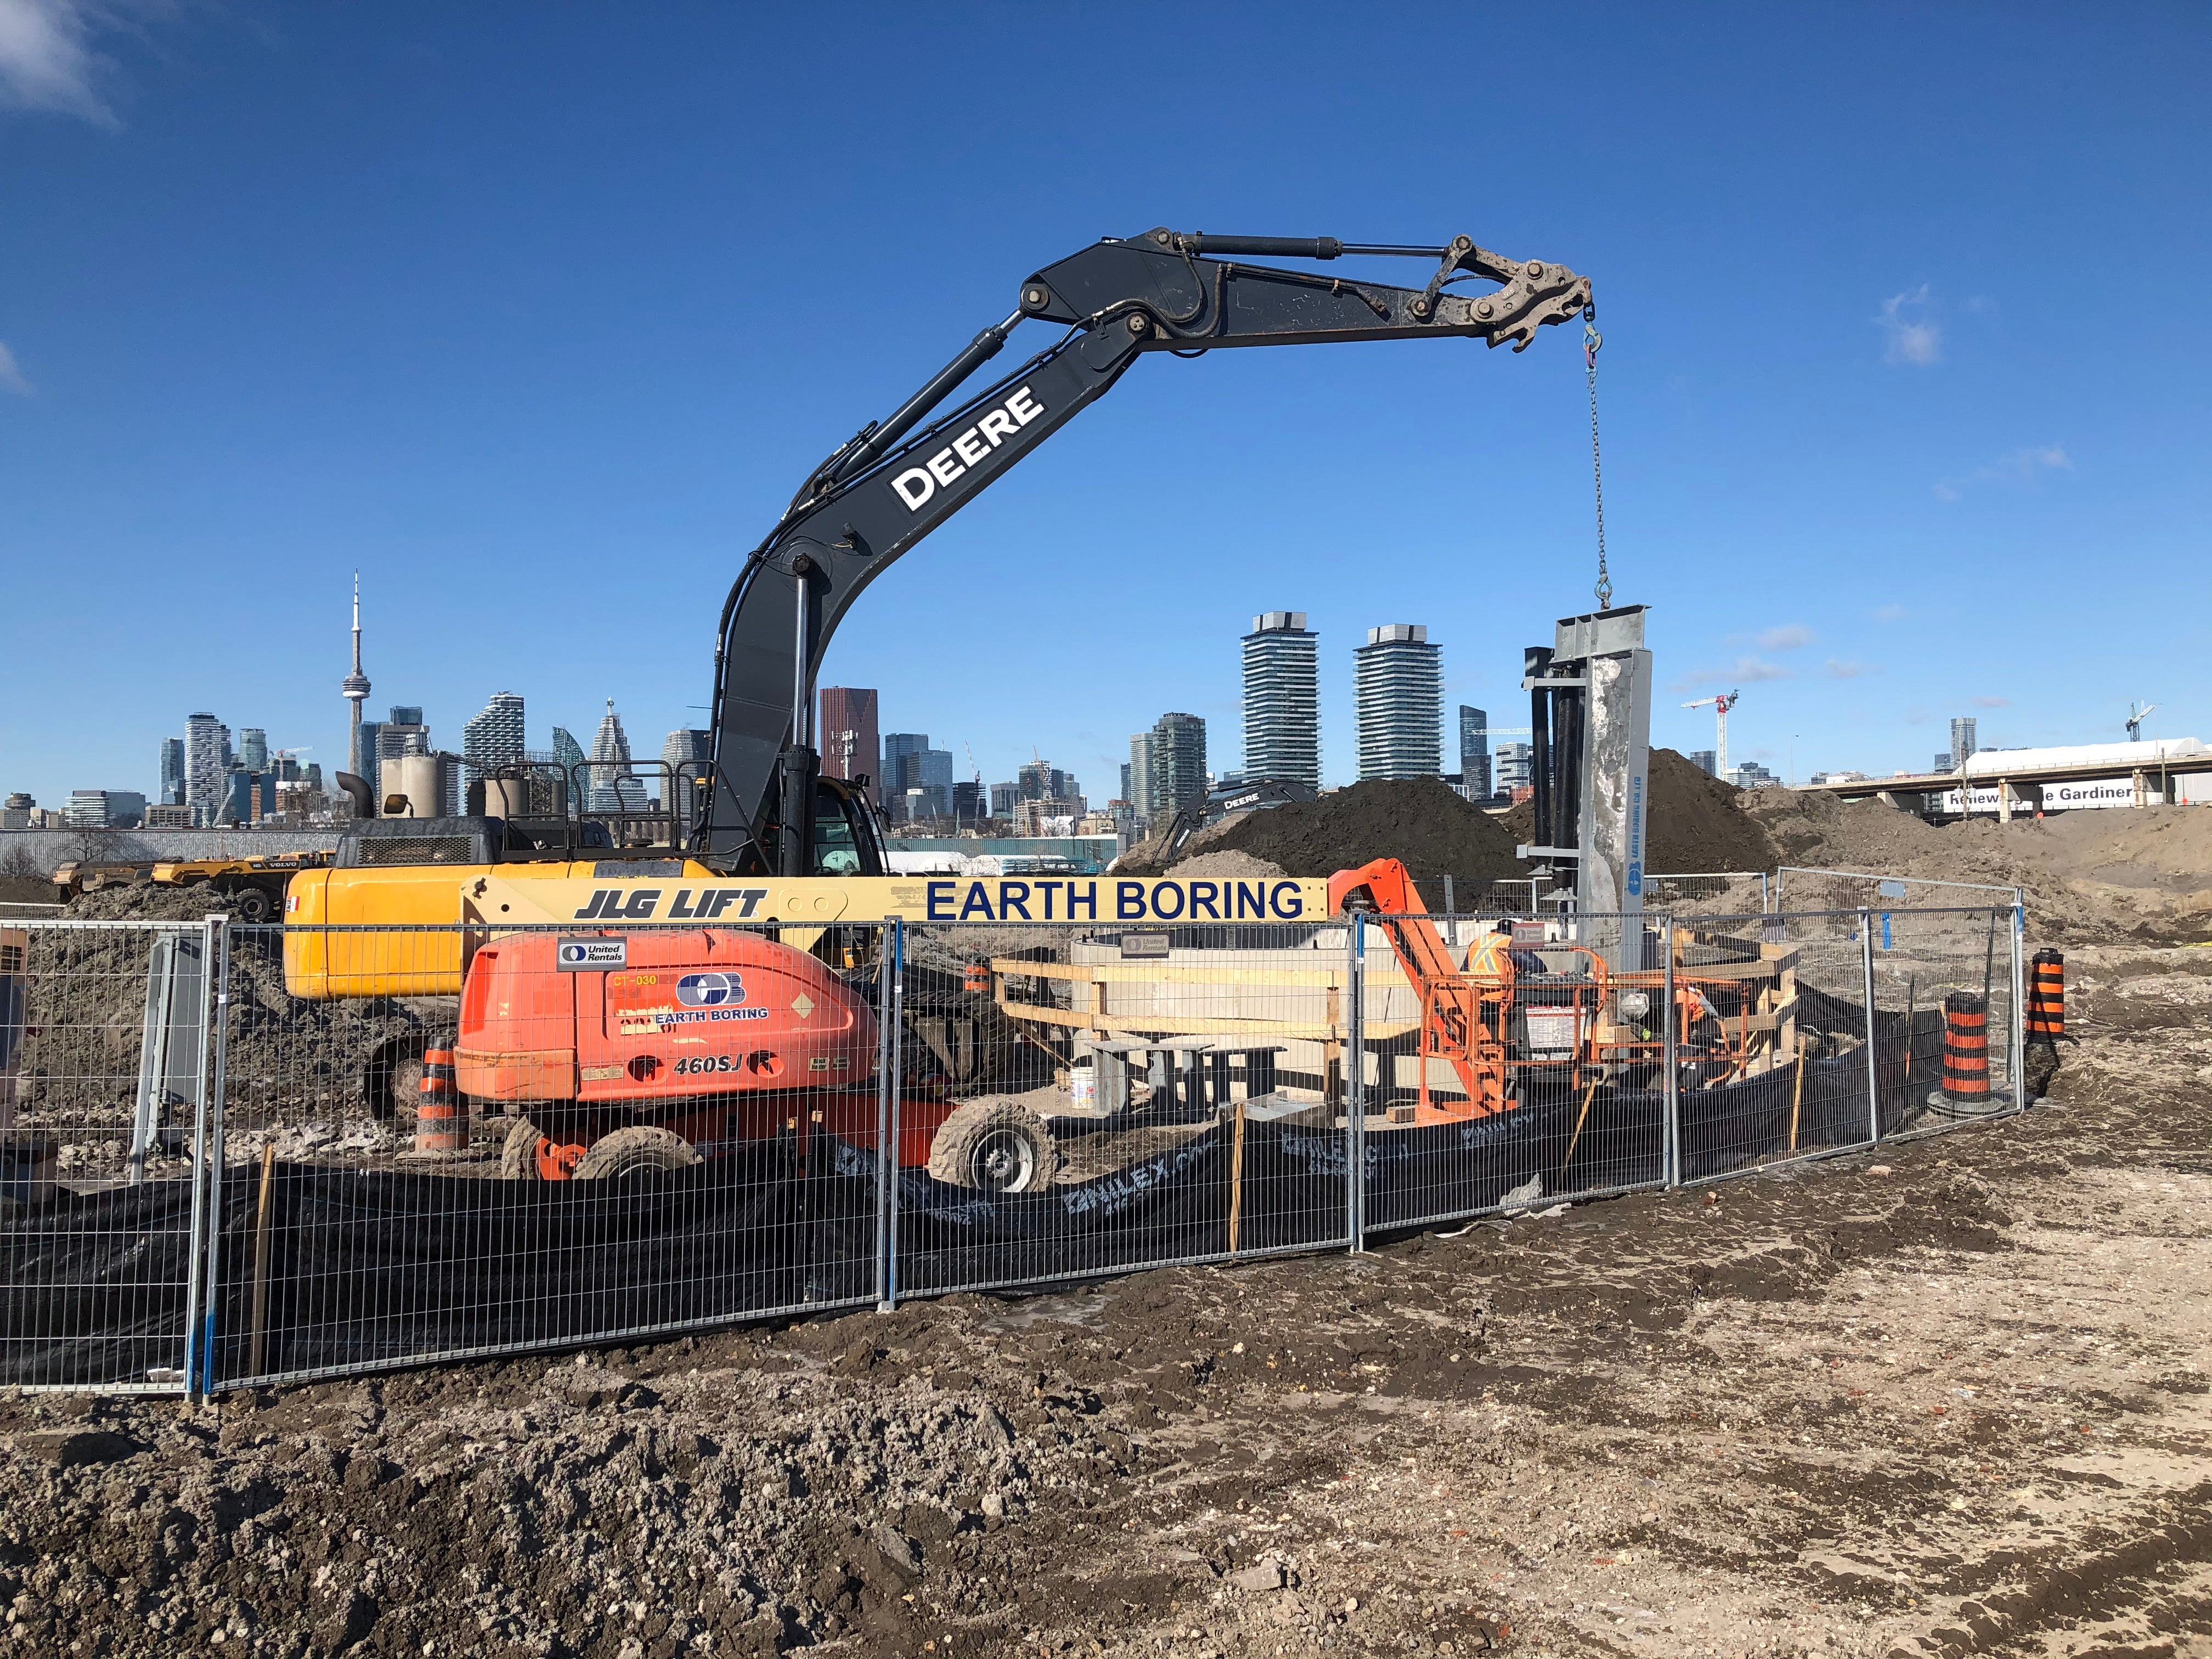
point(359, 1269)
point(93, 1286)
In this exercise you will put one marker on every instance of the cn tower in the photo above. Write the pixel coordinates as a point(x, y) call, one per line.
point(355, 687)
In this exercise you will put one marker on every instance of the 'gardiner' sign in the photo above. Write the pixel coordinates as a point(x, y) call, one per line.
point(2056, 797)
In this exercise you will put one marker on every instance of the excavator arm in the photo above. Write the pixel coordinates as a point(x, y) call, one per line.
point(895, 481)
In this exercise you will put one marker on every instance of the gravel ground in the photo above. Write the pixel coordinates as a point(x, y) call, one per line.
point(1951, 1398)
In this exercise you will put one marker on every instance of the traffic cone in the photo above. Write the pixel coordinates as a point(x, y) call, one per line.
point(2046, 997)
point(1966, 1050)
point(441, 1117)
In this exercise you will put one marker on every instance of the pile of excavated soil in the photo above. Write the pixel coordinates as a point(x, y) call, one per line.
point(287, 1062)
point(1229, 864)
point(1697, 824)
point(1417, 820)
point(761, 1492)
point(2087, 877)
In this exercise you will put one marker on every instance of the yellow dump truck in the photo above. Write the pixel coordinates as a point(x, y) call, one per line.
point(254, 888)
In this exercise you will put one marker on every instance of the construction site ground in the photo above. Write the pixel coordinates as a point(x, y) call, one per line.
point(1949, 1397)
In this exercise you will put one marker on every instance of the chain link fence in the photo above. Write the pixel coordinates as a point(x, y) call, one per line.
point(240, 1156)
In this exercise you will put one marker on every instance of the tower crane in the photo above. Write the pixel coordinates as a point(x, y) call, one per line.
point(1720, 705)
point(2136, 715)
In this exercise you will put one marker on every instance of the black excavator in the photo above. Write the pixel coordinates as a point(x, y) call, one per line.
point(760, 807)
point(898, 479)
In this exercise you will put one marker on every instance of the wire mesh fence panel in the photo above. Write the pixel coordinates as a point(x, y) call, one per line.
point(1839, 893)
point(1480, 895)
point(1083, 1099)
point(1724, 893)
point(103, 1078)
point(1772, 1039)
point(1510, 1062)
point(1944, 990)
point(446, 1142)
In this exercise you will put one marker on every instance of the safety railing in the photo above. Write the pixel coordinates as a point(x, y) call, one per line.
point(243, 1155)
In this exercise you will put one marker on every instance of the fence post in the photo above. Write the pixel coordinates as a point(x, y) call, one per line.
point(206, 1265)
point(198, 1292)
point(1671, 1153)
point(888, 1113)
point(1765, 900)
point(2019, 1021)
point(1355, 1097)
point(1873, 1065)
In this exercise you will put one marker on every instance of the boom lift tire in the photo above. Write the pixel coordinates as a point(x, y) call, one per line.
point(994, 1146)
point(639, 1152)
point(518, 1153)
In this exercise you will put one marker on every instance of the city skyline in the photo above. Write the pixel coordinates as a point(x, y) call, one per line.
point(202, 766)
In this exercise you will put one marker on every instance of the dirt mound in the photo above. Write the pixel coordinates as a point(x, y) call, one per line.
point(1228, 863)
point(287, 1064)
point(1418, 820)
point(1697, 824)
point(2088, 877)
point(787, 1495)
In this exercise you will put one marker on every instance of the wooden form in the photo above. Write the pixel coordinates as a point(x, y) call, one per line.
point(1760, 1037)
point(1763, 1037)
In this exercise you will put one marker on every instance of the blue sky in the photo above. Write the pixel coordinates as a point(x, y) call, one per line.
point(537, 315)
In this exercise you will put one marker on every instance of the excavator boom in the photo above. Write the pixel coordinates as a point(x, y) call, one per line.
point(895, 481)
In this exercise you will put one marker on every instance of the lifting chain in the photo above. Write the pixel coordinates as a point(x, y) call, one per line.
point(1591, 341)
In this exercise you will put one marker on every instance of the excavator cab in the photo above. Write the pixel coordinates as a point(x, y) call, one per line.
point(849, 837)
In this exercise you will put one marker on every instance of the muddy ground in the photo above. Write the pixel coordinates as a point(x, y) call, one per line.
point(1949, 1398)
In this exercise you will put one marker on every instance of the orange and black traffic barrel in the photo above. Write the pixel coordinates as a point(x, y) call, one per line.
point(442, 1123)
point(1966, 1048)
point(2046, 997)
point(975, 980)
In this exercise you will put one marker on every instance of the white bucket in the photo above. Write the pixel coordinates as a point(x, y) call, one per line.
point(1083, 1088)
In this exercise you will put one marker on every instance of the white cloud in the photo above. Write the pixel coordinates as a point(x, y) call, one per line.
point(1913, 336)
point(2020, 467)
point(1745, 670)
point(47, 61)
point(11, 376)
point(1889, 613)
point(1788, 637)
point(1837, 669)
point(1992, 703)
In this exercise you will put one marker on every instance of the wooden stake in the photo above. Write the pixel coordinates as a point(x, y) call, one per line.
point(1237, 1177)
point(1588, 1095)
point(261, 1220)
point(1796, 1095)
